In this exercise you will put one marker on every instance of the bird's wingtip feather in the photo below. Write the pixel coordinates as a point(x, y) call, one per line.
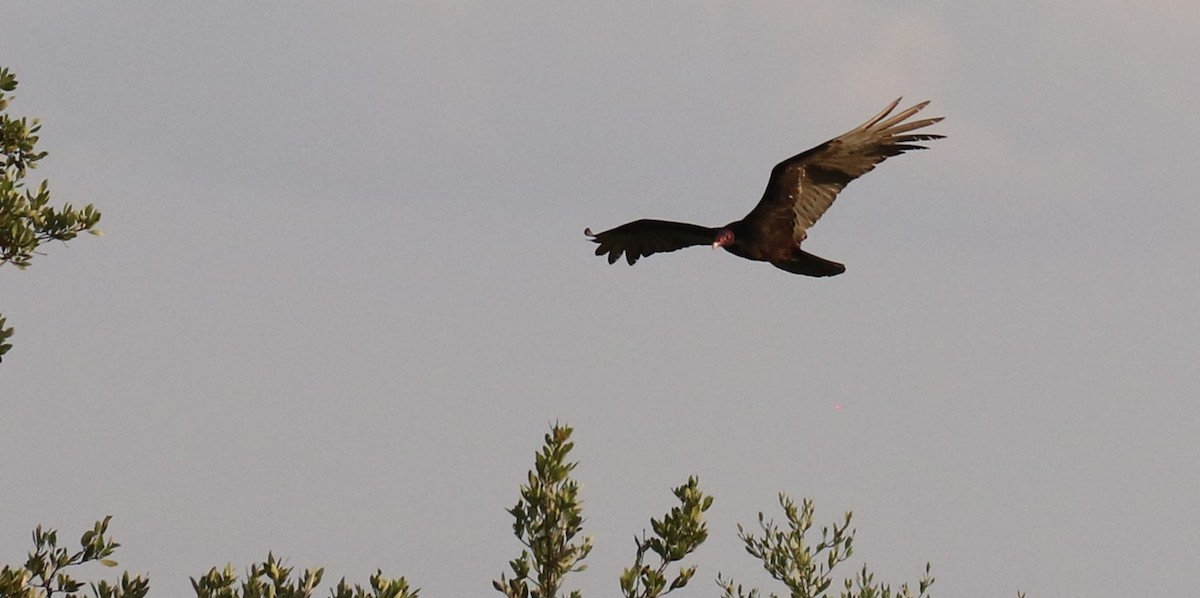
point(882, 114)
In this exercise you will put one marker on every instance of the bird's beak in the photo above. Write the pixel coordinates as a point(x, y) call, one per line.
point(716, 244)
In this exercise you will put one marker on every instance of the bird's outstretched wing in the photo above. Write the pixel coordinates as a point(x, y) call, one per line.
point(641, 238)
point(802, 187)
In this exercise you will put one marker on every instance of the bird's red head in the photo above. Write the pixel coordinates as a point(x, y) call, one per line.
point(724, 238)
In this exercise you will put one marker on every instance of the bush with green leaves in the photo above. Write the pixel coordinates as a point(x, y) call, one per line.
point(806, 569)
point(272, 579)
point(548, 521)
point(549, 517)
point(27, 220)
point(45, 575)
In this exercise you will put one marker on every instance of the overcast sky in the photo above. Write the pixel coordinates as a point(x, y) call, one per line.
point(344, 288)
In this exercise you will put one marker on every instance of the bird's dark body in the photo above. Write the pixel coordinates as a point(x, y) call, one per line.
point(749, 243)
point(799, 191)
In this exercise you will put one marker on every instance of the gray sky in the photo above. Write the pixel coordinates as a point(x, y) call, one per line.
point(343, 287)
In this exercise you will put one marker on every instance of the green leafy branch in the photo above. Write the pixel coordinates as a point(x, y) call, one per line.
point(27, 220)
point(5, 334)
point(679, 533)
point(547, 519)
point(45, 575)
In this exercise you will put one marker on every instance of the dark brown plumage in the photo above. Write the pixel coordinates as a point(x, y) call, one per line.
point(799, 191)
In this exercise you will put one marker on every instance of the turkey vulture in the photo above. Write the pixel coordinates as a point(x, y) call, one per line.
point(799, 191)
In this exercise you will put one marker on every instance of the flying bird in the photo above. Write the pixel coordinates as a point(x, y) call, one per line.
point(799, 191)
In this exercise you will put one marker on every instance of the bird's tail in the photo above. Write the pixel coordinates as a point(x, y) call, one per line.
point(805, 263)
